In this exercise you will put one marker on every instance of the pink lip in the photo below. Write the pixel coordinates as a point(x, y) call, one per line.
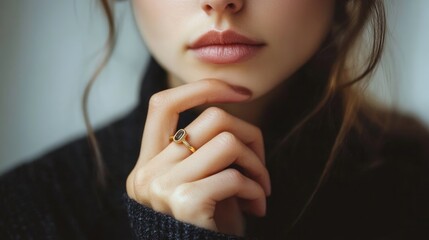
point(225, 47)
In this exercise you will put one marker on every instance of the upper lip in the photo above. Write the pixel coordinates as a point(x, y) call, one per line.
point(228, 37)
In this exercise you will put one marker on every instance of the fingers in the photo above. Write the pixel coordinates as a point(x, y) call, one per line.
point(165, 106)
point(215, 120)
point(219, 153)
point(238, 185)
point(212, 122)
point(215, 188)
point(168, 178)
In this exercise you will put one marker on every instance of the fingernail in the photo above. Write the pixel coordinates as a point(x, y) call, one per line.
point(242, 90)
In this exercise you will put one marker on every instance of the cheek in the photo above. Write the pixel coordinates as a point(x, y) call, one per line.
point(158, 21)
point(297, 29)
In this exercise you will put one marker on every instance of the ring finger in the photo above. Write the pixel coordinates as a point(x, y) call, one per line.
point(212, 122)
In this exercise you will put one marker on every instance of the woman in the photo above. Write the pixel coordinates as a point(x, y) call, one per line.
point(274, 138)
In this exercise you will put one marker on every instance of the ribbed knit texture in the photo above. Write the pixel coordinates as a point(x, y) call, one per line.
point(148, 224)
point(378, 189)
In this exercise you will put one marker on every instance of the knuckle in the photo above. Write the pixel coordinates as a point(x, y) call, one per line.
point(140, 181)
point(215, 115)
point(234, 176)
point(142, 178)
point(182, 195)
point(180, 200)
point(227, 140)
point(157, 100)
point(130, 185)
point(158, 189)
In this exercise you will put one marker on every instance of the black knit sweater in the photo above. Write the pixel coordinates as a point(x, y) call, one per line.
point(379, 187)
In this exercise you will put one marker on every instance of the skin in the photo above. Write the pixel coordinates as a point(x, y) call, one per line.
point(227, 134)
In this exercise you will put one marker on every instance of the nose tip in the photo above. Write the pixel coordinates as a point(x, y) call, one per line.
point(221, 6)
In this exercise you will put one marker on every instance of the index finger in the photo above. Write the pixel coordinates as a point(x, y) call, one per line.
point(165, 106)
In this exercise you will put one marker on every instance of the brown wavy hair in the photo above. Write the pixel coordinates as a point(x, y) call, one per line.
point(353, 51)
point(108, 50)
point(356, 24)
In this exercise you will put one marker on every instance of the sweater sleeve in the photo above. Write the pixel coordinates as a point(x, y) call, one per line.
point(151, 225)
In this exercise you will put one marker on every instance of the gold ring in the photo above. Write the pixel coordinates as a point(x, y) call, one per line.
point(180, 137)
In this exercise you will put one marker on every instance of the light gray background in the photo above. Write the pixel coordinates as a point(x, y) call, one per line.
point(49, 49)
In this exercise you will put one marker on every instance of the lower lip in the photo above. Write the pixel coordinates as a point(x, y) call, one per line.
point(226, 54)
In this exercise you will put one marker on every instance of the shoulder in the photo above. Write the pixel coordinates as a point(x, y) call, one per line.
point(392, 160)
point(48, 175)
point(391, 157)
point(70, 166)
point(391, 137)
point(34, 193)
point(73, 159)
point(60, 187)
point(404, 141)
point(406, 137)
point(383, 173)
point(58, 162)
point(47, 166)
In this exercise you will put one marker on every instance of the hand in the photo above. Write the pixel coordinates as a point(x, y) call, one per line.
point(201, 188)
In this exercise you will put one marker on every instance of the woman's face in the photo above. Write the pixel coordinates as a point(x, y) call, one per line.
point(275, 38)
